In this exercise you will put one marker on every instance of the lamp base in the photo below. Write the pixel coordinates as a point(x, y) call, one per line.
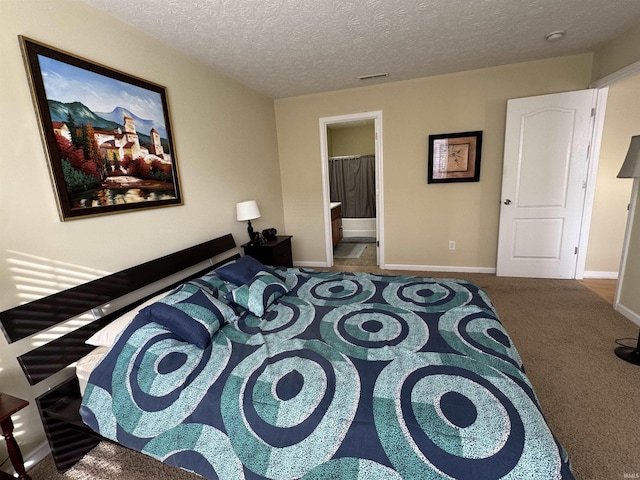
point(631, 355)
point(250, 232)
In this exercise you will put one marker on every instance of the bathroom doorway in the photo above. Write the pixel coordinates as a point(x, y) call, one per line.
point(352, 184)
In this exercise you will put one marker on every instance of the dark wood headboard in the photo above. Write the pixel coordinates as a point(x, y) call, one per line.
point(68, 437)
point(31, 318)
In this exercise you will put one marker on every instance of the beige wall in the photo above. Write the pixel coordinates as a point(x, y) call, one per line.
point(610, 58)
point(609, 216)
point(420, 218)
point(616, 54)
point(225, 144)
point(630, 287)
point(360, 140)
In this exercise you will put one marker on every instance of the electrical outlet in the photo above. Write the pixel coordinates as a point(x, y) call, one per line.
point(452, 244)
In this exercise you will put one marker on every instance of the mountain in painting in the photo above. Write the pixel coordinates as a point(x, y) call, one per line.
point(142, 125)
point(81, 114)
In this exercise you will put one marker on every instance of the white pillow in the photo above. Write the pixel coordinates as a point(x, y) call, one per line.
point(106, 336)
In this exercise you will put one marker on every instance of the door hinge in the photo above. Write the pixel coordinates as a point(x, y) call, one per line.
point(377, 243)
point(575, 251)
point(593, 112)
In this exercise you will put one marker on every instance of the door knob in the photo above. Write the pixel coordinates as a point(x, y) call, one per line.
point(507, 202)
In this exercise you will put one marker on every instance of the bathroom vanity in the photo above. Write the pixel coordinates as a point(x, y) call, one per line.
point(336, 222)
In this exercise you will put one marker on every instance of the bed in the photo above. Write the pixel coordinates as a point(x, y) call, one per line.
point(250, 371)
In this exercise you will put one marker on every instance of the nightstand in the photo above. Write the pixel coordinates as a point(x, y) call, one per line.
point(8, 406)
point(276, 252)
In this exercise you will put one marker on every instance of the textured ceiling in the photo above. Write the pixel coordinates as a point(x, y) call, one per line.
point(284, 48)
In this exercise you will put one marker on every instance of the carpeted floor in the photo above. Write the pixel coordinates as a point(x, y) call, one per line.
point(565, 334)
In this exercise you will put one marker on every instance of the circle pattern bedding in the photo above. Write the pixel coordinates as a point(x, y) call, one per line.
point(354, 376)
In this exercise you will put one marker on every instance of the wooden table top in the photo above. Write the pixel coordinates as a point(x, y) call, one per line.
point(10, 405)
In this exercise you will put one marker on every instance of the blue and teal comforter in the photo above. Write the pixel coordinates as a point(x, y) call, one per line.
point(346, 376)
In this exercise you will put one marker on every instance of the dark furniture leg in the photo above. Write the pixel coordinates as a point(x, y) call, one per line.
point(14, 452)
point(8, 406)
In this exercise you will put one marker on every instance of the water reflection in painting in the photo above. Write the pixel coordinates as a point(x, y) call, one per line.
point(107, 196)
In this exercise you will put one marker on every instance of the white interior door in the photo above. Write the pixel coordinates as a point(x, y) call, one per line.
point(543, 184)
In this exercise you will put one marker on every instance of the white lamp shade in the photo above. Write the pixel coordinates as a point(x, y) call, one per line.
point(247, 210)
point(631, 166)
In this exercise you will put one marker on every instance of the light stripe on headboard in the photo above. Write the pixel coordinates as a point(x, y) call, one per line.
point(26, 320)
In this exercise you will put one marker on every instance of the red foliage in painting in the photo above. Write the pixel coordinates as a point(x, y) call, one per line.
point(76, 157)
point(158, 166)
point(143, 168)
point(68, 151)
point(90, 168)
point(93, 152)
point(126, 164)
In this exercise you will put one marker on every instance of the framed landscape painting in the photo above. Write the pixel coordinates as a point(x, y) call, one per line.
point(107, 135)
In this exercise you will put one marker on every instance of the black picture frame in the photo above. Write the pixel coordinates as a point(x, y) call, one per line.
point(454, 157)
point(106, 134)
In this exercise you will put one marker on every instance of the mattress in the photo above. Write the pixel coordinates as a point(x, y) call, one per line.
point(86, 364)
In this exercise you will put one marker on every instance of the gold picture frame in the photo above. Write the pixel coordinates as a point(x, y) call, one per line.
point(106, 134)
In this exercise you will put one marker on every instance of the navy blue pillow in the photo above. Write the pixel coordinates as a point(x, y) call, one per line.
point(242, 270)
point(192, 314)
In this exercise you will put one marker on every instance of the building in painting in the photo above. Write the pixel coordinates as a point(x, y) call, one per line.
point(62, 129)
point(156, 145)
point(117, 144)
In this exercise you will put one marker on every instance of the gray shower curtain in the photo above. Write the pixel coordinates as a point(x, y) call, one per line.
point(352, 181)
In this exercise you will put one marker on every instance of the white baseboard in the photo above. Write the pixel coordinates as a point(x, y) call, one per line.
point(417, 268)
point(439, 268)
point(36, 455)
point(596, 274)
point(309, 264)
point(627, 312)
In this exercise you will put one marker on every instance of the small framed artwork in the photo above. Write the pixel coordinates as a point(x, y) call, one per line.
point(106, 135)
point(454, 157)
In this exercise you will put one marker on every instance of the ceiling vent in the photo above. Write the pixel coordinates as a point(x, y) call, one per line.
point(374, 75)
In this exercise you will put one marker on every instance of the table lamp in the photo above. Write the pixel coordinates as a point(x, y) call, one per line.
point(248, 211)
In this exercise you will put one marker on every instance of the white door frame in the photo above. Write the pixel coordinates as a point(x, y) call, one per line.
point(593, 160)
point(594, 157)
point(603, 84)
point(325, 122)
